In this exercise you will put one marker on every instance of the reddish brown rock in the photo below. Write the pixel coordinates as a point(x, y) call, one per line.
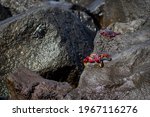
point(25, 84)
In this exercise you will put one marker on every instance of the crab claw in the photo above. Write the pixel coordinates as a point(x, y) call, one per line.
point(109, 59)
point(101, 64)
point(85, 64)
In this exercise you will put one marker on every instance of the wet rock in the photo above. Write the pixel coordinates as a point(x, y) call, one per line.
point(96, 6)
point(5, 12)
point(81, 2)
point(25, 84)
point(47, 40)
point(92, 15)
point(89, 4)
point(126, 76)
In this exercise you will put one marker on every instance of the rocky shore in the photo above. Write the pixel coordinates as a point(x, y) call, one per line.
point(42, 49)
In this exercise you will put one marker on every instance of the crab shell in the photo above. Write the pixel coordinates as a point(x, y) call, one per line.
point(101, 64)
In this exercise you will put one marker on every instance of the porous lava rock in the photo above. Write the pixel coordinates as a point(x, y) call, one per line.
point(48, 40)
point(25, 84)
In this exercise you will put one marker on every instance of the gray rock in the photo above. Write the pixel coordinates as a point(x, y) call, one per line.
point(47, 40)
point(81, 2)
point(94, 9)
point(25, 84)
point(125, 10)
point(126, 76)
point(131, 26)
point(19, 6)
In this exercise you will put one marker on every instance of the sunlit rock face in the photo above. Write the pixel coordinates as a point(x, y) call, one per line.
point(127, 75)
point(125, 10)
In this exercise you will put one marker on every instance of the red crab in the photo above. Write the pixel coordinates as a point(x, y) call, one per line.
point(109, 33)
point(95, 58)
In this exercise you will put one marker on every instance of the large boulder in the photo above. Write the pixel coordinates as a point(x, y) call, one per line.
point(47, 40)
point(126, 76)
point(25, 84)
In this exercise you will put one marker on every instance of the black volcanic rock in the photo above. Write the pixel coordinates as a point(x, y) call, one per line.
point(47, 40)
point(4, 12)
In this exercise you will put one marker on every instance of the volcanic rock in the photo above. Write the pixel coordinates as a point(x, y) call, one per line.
point(5, 12)
point(81, 2)
point(126, 76)
point(47, 40)
point(131, 26)
point(25, 84)
point(3, 89)
point(19, 6)
point(125, 10)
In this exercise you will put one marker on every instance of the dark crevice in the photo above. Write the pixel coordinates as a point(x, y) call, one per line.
point(31, 91)
point(4, 12)
point(65, 74)
point(96, 17)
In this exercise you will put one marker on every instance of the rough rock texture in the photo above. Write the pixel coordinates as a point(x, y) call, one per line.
point(54, 42)
point(81, 2)
point(131, 26)
point(3, 89)
point(4, 13)
point(120, 10)
point(18, 6)
point(126, 76)
point(125, 10)
point(95, 7)
point(49, 40)
point(25, 84)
